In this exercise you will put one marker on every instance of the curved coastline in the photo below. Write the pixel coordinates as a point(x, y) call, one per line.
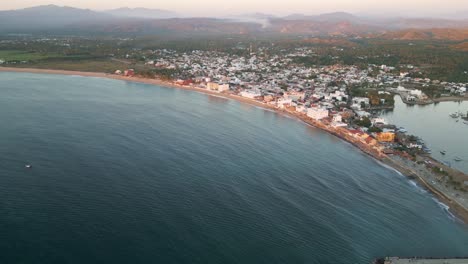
point(455, 207)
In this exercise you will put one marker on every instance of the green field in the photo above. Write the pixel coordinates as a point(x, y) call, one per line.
point(102, 65)
point(17, 55)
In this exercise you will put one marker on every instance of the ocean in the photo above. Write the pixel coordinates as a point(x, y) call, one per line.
point(133, 173)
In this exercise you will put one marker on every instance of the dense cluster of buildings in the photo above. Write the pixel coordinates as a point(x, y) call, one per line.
point(321, 93)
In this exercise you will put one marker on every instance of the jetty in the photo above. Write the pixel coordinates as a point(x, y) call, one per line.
point(419, 260)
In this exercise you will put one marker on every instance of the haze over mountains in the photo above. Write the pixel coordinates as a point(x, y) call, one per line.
point(142, 13)
point(141, 21)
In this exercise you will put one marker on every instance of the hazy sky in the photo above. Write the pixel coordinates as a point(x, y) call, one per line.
point(211, 7)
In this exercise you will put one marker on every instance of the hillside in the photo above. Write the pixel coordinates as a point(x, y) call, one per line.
point(142, 13)
point(141, 21)
point(453, 34)
point(47, 17)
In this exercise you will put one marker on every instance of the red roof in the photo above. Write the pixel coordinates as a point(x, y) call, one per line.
point(354, 131)
point(369, 140)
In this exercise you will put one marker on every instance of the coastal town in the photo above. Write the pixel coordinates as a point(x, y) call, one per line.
point(234, 132)
point(342, 100)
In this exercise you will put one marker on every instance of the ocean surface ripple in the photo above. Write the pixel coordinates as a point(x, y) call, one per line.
point(133, 173)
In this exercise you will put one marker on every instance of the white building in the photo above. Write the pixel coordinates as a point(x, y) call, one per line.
point(223, 87)
point(401, 89)
point(337, 118)
point(378, 121)
point(338, 121)
point(212, 86)
point(362, 114)
point(338, 95)
point(360, 100)
point(251, 94)
point(416, 93)
point(301, 109)
point(284, 102)
point(317, 113)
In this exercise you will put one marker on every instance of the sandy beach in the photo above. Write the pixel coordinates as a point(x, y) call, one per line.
point(459, 209)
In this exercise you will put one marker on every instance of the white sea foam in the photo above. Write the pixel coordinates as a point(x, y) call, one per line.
point(417, 186)
point(264, 108)
point(389, 168)
point(445, 208)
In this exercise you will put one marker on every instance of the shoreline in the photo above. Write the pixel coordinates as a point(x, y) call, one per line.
point(454, 99)
point(455, 207)
point(450, 99)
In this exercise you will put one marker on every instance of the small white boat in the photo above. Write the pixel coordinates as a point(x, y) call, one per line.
point(457, 159)
point(28, 166)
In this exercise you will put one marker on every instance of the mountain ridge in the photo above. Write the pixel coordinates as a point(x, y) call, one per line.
point(156, 21)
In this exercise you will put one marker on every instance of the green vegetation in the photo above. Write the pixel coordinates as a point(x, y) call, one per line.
point(375, 129)
point(384, 99)
point(364, 122)
point(18, 55)
point(163, 74)
point(439, 171)
point(106, 66)
point(432, 59)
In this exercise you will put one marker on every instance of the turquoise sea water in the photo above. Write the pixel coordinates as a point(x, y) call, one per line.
point(133, 173)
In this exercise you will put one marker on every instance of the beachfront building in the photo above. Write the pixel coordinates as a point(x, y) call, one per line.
point(129, 73)
point(223, 87)
point(301, 109)
point(283, 103)
point(317, 113)
point(252, 94)
point(212, 86)
point(337, 121)
point(386, 137)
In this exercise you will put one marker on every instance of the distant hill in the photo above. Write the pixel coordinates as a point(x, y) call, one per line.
point(424, 23)
point(327, 17)
point(454, 34)
point(142, 21)
point(142, 13)
point(461, 46)
point(47, 17)
point(319, 28)
point(187, 26)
